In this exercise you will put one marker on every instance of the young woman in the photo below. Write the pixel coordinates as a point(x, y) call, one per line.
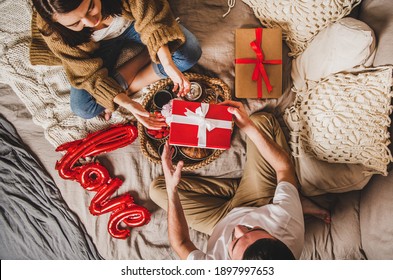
point(86, 37)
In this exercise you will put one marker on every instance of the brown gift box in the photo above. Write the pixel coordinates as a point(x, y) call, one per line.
point(245, 87)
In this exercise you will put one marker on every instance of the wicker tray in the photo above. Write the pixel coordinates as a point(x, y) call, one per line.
point(215, 90)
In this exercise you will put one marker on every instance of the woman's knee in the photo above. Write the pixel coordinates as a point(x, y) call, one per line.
point(83, 104)
point(81, 112)
point(190, 52)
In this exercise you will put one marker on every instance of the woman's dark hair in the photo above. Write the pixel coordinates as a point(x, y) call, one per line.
point(47, 8)
point(268, 249)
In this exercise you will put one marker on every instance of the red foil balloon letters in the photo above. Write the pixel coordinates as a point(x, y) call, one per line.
point(95, 177)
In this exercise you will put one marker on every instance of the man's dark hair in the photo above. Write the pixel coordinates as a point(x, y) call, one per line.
point(268, 249)
point(47, 8)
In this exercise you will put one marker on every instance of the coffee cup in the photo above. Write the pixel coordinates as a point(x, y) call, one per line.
point(161, 98)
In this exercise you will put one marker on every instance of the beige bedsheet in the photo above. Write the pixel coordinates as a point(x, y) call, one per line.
point(358, 217)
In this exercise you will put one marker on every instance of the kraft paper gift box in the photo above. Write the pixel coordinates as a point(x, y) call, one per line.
point(203, 125)
point(258, 63)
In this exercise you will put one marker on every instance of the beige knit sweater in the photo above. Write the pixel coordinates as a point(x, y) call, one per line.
point(153, 20)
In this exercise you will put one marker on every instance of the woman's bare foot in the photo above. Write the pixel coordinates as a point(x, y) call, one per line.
point(107, 114)
point(310, 208)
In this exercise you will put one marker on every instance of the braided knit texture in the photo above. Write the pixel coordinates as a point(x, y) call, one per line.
point(44, 90)
point(344, 118)
point(300, 20)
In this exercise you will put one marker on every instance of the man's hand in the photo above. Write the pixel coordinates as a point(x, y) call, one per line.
point(274, 154)
point(172, 174)
point(179, 237)
point(242, 119)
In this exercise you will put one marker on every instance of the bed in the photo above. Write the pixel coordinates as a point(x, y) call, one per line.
point(46, 217)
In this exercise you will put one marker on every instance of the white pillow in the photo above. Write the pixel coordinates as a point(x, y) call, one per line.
point(341, 46)
point(300, 20)
point(344, 118)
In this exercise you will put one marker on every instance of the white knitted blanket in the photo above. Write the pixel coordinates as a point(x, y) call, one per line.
point(44, 90)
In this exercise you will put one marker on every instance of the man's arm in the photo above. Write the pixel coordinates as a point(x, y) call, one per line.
point(179, 236)
point(274, 154)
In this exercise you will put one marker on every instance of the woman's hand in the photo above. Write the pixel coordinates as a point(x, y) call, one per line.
point(148, 120)
point(242, 119)
point(180, 82)
point(172, 174)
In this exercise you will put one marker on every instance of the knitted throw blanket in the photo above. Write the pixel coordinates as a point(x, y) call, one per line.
point(44, 90)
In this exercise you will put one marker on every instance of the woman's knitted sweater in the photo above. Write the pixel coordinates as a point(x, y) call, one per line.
point(153, 20)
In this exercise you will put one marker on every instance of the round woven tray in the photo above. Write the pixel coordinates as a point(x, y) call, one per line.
point(215, 90)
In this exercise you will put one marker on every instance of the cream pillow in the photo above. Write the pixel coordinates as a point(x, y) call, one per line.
point(318, 177)
point(344, 118)
point(341, 46)
point(300, 20)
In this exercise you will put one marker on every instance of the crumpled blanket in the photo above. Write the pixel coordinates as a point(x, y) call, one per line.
point(35, 221)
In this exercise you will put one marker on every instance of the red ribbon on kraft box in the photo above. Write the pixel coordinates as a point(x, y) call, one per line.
point(259, 72)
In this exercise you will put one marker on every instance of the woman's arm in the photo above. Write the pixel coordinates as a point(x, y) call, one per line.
point(88, 73)
point(156, 24)
point(144, 117)
point(180, 82)
point(85, 71)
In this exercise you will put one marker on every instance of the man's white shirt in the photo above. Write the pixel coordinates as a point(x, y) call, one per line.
point(283, 219)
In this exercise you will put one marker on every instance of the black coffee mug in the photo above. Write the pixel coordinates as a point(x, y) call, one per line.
point(161, 98)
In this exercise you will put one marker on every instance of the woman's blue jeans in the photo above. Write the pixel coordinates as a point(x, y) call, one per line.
point(85, 106)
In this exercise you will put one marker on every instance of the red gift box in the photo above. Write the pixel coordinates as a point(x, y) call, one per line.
point(203, 125)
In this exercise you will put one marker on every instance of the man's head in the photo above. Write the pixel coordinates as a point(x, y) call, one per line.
point(255, 243)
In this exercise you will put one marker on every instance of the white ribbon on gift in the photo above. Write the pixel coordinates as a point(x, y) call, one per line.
point(199, 118)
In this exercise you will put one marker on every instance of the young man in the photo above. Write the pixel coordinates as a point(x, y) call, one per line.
point(259, 216)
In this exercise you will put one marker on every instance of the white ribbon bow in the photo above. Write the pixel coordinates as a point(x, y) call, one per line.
point(199, 118)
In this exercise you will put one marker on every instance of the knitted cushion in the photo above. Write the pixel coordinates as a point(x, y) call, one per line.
point(300, 20)
point(344, 118)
